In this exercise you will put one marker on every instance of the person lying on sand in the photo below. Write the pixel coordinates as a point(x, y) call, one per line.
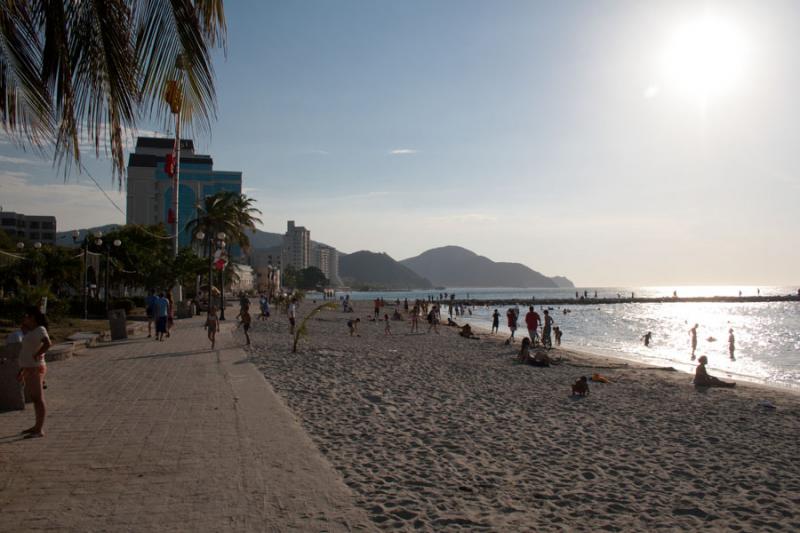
point(703, 379)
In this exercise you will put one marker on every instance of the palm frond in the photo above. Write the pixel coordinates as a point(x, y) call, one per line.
point(170, 29)
point(25, 109)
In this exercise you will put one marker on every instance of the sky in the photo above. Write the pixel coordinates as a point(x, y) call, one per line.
point(613, 142)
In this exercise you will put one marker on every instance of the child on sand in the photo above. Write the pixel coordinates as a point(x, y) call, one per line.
point(352, 325)
point(212, 325)
point(580, 387)
point(387, 329)
point(244, 323)
point(32, 365)
point(557, 332)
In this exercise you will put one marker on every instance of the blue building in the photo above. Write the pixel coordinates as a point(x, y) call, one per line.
point(150, 188)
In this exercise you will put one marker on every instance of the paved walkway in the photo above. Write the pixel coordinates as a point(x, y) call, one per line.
point(167, 436)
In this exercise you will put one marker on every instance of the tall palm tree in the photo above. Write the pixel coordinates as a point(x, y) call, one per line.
point(88, 69)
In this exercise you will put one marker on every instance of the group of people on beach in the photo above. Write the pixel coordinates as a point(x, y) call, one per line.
point(532, 322)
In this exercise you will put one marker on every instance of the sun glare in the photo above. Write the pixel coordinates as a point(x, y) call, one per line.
point(706, 58)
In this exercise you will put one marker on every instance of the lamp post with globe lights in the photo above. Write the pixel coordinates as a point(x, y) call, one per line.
point(85, 249)
point(106, 246)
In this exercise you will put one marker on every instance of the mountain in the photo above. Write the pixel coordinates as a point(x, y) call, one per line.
point(563, 283)
point(453, 266)
point(64, 238)
point(378, 271)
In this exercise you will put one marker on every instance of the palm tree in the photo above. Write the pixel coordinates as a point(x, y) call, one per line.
point(87, 69)
point(225, 212)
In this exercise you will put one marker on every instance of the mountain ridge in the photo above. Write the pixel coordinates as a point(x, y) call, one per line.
point(456, 266)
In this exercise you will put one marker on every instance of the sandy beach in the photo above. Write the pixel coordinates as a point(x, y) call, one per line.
point(441, 433)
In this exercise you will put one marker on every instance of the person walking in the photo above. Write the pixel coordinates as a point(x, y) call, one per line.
point(495, 321)
point(162, 314)
point(33, 368)
point(532, 320)
point(511, 317)
point(170, 313)
point(150, 309)
point(212, 325)
point(244, 322)
point(693, 335)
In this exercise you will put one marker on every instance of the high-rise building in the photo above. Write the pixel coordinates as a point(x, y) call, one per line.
point(296, 250)
point(327, 260)
point(32, 228)
point(150, 192)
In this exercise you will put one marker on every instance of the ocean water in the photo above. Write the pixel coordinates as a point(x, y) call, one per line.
point(767, 334)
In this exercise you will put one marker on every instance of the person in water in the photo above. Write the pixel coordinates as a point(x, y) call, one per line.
point(693, 335)
point(647, 337)
point(731, 344)
point(702, 379)
point(495, 321)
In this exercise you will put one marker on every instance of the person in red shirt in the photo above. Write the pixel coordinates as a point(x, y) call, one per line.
point(532, 320)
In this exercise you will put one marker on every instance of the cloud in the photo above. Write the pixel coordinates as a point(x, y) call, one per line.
point(651, 92)
point(403, 151)
point(18, 160)
point(74, 205)
point(463, 218)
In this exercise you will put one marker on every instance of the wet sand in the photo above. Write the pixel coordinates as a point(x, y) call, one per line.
point(441, 433)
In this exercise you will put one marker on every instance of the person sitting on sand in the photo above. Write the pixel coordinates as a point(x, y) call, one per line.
point(580, 387)
point(466, 332)
point(352, 325)
point(396, 315)
point(524, 351)
point(452, 323)
point(702, 379)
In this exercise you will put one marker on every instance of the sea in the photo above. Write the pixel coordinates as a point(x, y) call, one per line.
point(767, 333)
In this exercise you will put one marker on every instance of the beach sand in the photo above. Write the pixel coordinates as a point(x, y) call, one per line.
point(441, 433)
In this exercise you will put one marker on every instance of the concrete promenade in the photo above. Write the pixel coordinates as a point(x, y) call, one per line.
point(167, 436)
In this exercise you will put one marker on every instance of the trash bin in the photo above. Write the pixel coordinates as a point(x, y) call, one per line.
point(11, 396)
point(117, 324)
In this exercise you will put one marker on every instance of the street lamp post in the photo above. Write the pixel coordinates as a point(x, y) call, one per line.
point(107, 248)
point(221, 248)
point(84, 276)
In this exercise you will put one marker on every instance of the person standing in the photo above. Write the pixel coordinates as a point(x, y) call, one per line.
point(731, 344)
point(693, 335)
point(244, 322)
point(377, 307)
point(532, 319)
point(170, 313)
point(433, 320)
point(292, 311)
point(212, 325)
point(415, 319)
point(495, 321)
point(150, 309)
point(546, 329)
point(647, 337)
point(387, 328)
point(511, 317)
point(33, 368)
point(162, 314)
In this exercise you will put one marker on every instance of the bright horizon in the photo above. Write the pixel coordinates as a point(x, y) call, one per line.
point(615, 143)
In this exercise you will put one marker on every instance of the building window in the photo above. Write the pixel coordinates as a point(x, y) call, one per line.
point(20, 223)
point(9, 222)
point(48, 237)
point(33, 225)
point(47, 225)
point(33, 235)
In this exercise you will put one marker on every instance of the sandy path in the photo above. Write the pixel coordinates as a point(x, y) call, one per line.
point(436, 432)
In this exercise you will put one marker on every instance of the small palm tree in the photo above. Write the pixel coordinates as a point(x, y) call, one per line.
point(302, 330)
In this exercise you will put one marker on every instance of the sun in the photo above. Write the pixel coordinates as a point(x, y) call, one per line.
point(706, 58)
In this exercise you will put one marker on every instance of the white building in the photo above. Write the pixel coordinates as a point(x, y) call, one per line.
point(296, 250)
point(327, 260)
